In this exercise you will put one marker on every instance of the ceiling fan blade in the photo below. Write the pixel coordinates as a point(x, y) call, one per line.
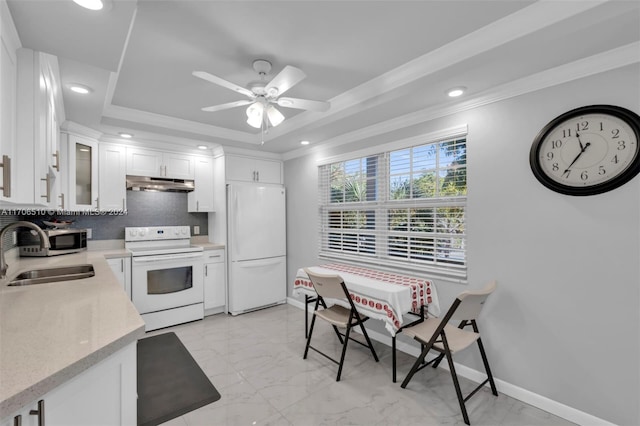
point(224, 83)
point(227, 105)
point(319, 106)
point(285, 80)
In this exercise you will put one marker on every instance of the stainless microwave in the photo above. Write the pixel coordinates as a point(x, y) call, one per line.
point(61, 241)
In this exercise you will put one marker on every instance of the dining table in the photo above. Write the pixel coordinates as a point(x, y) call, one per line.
point(380, 295)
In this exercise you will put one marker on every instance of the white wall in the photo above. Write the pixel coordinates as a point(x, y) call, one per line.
point(564, 322)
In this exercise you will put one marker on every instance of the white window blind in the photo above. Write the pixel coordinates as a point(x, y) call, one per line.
point(404, 209)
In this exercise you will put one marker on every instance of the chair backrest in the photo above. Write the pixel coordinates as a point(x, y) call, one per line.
point(471, 303)
point(329, 286)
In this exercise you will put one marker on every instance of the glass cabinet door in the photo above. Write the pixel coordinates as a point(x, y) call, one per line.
point(83, 173)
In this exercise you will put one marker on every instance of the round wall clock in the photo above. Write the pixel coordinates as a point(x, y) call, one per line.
point(588, 150)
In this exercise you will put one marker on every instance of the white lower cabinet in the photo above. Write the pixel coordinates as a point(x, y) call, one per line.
point(105, 394)
point(121, 267)
point(215, 283)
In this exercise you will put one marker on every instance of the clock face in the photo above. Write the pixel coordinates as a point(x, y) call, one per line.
point(588, 150)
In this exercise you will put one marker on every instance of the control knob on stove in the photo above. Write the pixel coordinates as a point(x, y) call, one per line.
point(184, 231)
point(143, 232)
point(133, 232)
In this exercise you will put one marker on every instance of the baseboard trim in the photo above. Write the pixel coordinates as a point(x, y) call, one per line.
point(554, 407)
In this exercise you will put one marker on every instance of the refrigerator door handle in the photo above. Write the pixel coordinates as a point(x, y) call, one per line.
point(259, 263)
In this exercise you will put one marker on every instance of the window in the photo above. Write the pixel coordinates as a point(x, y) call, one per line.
point(403, 208)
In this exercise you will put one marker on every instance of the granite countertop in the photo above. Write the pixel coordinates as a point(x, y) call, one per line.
point(49, 333)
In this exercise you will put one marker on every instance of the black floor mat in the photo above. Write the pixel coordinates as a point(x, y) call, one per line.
point(170, 382)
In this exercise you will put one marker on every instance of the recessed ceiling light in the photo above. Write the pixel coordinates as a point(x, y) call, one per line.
point(125, 135)
point(79, 88)
point(203, 147)
point(304, 142)
point(90, 4)
point(456, 91)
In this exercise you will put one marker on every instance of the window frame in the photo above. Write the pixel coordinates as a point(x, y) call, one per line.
point(379, 209)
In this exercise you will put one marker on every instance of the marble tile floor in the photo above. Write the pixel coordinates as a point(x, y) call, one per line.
point(255, 362)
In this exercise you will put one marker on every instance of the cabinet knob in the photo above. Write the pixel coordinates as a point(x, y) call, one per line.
point(17, 420)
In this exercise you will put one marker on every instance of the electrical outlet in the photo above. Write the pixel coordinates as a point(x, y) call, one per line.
point(89, 233)
point(196, 230)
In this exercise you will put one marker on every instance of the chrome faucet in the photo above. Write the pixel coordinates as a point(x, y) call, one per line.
point(44, 241)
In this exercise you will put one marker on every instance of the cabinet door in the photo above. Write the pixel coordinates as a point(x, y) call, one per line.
point(144, 162)
point(248, 169)
point(178, 166)
point(104, 394)
point(201, 199)
point(240, 168)
point(9, 43)
point(268, 171)
point(83, 173)
point(112, 180)
point(121, 267)
point(215, 283)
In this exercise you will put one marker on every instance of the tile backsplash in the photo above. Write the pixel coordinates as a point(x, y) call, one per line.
point(6, 219)
point(143, 209)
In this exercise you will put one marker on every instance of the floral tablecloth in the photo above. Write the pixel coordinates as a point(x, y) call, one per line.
point(377, 294)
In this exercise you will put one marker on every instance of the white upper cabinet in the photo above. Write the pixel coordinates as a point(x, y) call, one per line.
point(148, 162)
point(39, 113)
point(248, 169)
point(9, 44)
point(82, 154)
point(112, 189)
point(201, 198)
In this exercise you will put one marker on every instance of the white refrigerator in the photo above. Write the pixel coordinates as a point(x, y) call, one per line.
point(256, 239)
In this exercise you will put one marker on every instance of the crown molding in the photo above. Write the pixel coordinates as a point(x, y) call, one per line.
point(79, 129)
point(164, 121)
point(528, 20)
point(606, 61)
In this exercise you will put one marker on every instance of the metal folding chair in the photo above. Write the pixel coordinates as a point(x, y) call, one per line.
point(333, 287)
point(439, 335)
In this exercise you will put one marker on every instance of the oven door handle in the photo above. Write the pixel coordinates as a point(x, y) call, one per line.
point(165, 257)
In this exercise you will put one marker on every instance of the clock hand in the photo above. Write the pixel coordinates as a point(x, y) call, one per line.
point(587, 145)
point(580, 142)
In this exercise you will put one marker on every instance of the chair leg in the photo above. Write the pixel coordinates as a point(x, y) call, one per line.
point(344, 351)
point(306, 315)
point(494, 390)
point(338, 334)
point(456, 384)
point(436, 361)
point(416, 366)
point(393, 358)
point(366, 336)
point(306, 349)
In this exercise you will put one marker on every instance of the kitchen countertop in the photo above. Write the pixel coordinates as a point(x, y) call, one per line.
point(49, 333)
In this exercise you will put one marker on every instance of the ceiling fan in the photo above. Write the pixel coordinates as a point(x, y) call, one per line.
point(264, 96)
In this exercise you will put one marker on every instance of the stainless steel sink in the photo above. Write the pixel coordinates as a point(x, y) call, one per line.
point(49, 275)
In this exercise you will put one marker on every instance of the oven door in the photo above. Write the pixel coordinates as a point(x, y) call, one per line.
point(160, 282)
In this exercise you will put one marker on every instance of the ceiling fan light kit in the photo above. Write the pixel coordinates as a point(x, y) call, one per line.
point(263, 96)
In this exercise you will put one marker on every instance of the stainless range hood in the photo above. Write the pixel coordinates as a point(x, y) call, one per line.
point(145, 183)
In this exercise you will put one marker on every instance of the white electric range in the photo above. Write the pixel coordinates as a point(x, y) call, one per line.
point(167, 282)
